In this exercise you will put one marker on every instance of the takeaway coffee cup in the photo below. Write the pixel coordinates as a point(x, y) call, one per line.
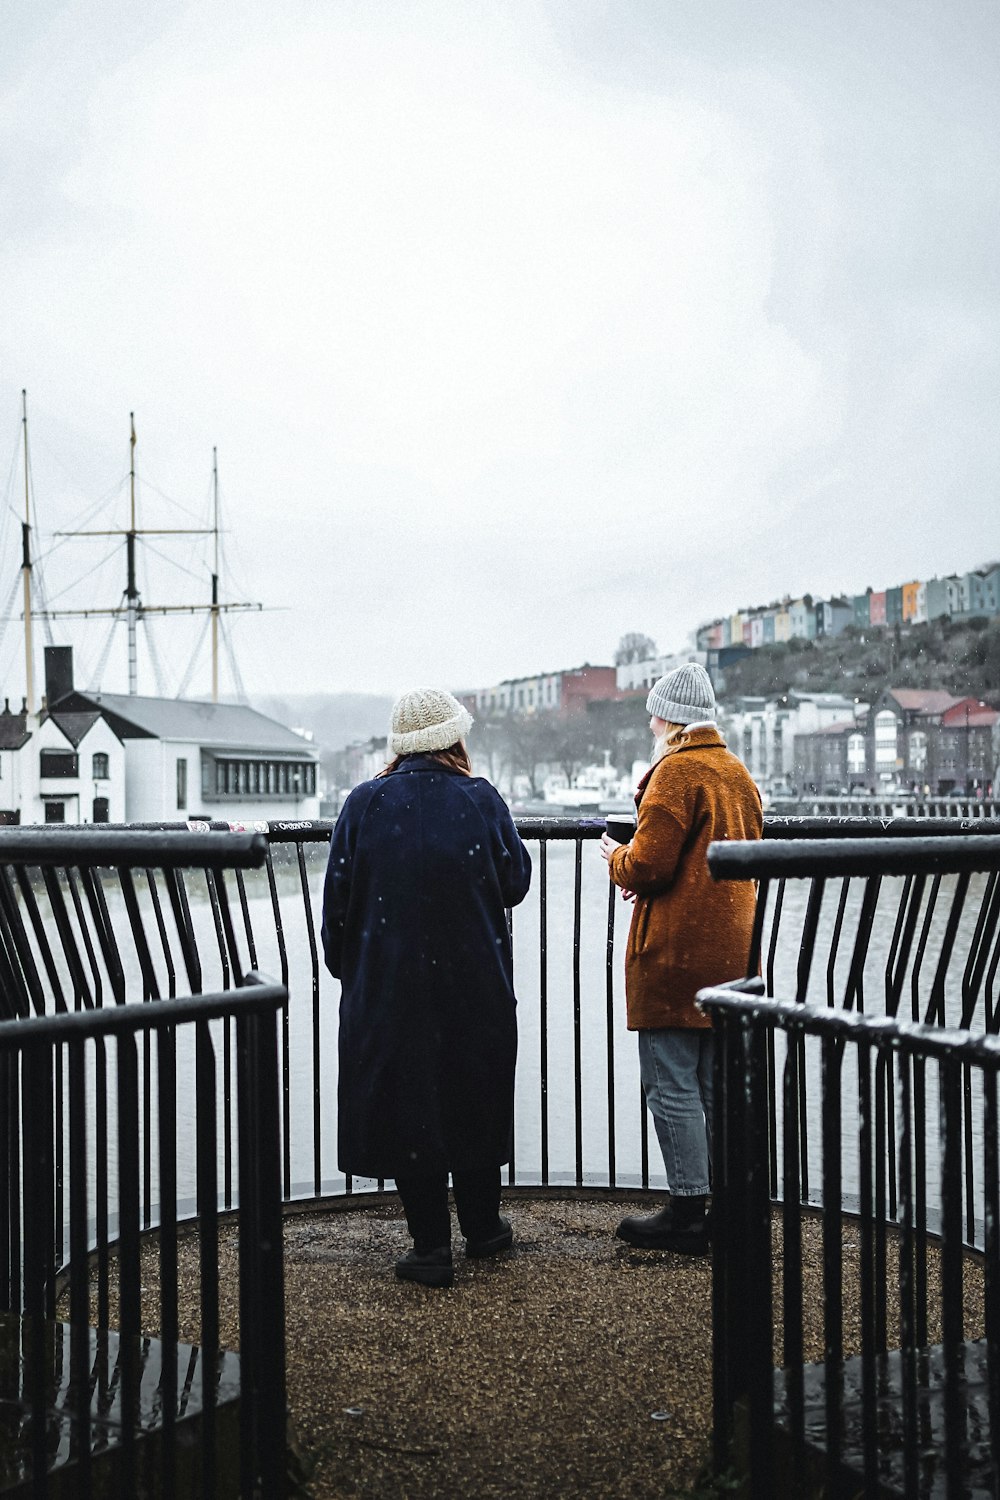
point(621, 827)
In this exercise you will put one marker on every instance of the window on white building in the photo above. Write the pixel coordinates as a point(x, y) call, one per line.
point(100, 766)
point(885, 741)
point(856, 755)
point(918, 749)
point(59, 763)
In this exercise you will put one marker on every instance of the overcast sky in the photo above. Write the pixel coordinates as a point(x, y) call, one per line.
point(517, 326)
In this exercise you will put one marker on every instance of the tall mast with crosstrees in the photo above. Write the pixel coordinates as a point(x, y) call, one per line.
point(132, 606)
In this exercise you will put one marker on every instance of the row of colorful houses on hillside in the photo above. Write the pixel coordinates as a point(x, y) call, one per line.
point(958, 595)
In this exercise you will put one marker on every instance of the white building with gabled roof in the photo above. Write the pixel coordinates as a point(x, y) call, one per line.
point(60, 768)
point(186, 759)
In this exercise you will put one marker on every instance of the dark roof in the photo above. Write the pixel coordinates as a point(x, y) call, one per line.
point(217, 726)
point(13, 733)
point(75, 725)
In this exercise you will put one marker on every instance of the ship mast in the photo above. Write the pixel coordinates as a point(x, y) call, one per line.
point(131, 591)
point(29, 661)
point(134, 607)
point(215, 576)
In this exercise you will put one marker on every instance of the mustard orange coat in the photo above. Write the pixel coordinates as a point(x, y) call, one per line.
point(688, 930)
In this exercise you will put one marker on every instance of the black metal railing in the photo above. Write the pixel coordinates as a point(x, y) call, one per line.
point(876, 805)
point(92, 932)
point(111, 916)
point(77, 1110)
point(897, 1390)
point(871, 1092)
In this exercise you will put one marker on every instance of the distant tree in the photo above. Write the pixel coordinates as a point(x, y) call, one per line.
point(634, 647)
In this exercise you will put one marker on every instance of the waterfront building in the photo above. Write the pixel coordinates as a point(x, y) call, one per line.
point(929, 738)
point(357, 762)
point(186, 759)
point(830, 761)
point(764, 732)
point(563, 692)
point(60, 767)
point(639, 676)
point(968, 747)
point(861, 605)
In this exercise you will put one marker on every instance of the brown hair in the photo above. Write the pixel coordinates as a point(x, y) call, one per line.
point(455, 758)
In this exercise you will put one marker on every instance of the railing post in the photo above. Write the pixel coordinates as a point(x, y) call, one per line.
point(263, 1414)
point(725, 1188)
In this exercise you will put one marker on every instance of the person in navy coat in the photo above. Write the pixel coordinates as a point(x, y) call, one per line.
point(424, 860)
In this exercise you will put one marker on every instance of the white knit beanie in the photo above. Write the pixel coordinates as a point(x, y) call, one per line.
point(427, 719)
point(684, 696)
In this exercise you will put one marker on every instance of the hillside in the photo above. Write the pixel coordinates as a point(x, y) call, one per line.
point(960, 657)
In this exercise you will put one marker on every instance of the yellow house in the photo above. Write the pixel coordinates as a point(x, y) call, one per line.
point(911, 602)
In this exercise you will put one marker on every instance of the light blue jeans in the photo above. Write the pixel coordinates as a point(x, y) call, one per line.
point(675, 1066)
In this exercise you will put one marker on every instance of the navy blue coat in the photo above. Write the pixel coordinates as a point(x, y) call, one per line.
point(422, 864)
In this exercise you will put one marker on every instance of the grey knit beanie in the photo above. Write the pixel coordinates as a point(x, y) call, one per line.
point(427, 719)
point(684, 696)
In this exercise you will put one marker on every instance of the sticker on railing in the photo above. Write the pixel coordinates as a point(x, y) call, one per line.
point(254, 826)
point(198, 825)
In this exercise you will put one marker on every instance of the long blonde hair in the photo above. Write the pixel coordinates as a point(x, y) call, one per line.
point(455, 758)
point(661, 745)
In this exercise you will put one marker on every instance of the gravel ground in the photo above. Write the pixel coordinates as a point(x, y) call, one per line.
point(560, 1369)
point(573, 1366)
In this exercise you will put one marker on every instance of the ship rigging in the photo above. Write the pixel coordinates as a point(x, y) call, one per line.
point(131, 608)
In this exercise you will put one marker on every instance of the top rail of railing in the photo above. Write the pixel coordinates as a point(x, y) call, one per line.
point(776, 826)
point(746, 999)
point(937, 854)
point(111, 845)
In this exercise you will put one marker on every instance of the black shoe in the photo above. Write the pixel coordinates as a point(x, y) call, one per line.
point(681, 1227)
point(502, 1240)
point(431, 1268)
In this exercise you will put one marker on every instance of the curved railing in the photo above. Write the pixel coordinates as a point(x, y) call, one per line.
point(71, 939)
point(873, 1106)
point(95, 918)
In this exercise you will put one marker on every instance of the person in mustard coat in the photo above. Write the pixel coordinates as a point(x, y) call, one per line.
point(688, 931)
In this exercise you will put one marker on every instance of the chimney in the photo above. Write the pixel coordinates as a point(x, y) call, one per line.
point(58, 673)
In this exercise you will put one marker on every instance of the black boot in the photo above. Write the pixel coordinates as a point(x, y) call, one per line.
point(501, 1239)
point(681, 1226)
point(428, 1267)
